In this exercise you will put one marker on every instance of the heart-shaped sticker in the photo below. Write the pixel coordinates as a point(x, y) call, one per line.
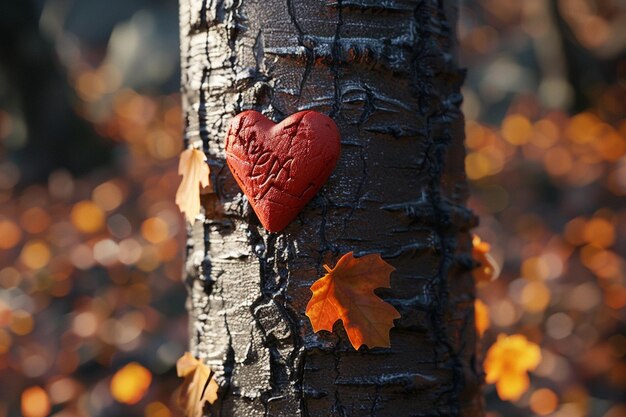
point(281, 166)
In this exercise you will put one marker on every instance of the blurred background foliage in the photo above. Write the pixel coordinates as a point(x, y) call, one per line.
point(92, 315)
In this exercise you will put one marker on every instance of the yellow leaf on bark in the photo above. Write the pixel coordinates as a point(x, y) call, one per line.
point(482, 321)
point(346, 293)
point(488, 270)
point(198, 387)
point(192, 166)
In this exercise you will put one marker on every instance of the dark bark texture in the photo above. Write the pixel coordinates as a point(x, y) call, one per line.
point(385, 71)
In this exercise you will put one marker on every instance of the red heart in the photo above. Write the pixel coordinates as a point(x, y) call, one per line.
point(281, 166)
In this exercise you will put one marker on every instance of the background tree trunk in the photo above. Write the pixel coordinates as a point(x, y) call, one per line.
point(385, 72)
point(34, 90)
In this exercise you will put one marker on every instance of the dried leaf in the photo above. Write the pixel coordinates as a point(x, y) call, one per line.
point(488, 269)
point(198, 387)
point(346, 293)
point(195, 172)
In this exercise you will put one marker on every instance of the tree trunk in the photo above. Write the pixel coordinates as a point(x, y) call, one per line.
point(385, 71)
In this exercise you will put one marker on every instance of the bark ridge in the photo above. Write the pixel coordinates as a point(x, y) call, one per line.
point(384, 70)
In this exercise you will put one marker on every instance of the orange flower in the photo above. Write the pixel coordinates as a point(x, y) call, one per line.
point(507, 363)
point(488, 269)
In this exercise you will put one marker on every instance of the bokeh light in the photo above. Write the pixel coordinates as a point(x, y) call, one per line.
point(129, 384)
point(546, 160)
point(35, 402)
point(91, 253)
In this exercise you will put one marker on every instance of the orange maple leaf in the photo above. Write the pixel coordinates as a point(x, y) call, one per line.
point(346, 293)
point(488, 270)
point(198, 387)
point(195, 172)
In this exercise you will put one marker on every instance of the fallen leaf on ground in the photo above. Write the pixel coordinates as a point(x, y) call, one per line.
point(192, 166)
point(346, 293)
point(488, 269)
point(198, 387)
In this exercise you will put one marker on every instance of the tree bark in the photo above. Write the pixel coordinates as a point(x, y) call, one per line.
point(385, 71)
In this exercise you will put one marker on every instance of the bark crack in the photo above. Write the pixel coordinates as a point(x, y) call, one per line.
point(336, 60)
point(310, 56)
